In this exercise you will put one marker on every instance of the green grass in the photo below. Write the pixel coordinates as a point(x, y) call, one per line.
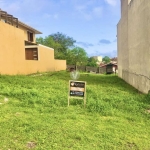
point(36, 115)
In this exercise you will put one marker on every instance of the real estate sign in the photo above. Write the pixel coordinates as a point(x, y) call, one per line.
point(77, 89)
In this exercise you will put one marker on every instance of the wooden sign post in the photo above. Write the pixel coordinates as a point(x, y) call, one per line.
point(77, 90)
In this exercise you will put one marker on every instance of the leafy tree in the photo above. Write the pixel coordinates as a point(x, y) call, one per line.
point(65, 41)
point(77, 56)
point(60, 42)
point(40, 40)
point(70, 57)
point(48, 41)
point(106, 59)
point(92, 62)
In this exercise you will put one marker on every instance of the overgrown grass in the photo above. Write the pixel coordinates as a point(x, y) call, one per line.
point(34, 114)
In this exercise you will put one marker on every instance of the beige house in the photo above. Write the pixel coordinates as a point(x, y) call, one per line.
point(19, 53)
point(98, 59)
point(133, 32)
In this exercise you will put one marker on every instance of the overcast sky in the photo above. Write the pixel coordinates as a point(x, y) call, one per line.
point(92, 23)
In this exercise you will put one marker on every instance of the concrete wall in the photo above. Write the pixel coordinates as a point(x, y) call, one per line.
point(12, 54)
point(60, 65)
point(122, 37)
point(44, 63)
point(133, 33)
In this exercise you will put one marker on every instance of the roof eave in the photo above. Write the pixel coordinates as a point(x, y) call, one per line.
point(29, 27)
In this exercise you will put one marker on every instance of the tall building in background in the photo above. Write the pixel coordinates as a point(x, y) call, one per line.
point(133, 34)
point(98, 58)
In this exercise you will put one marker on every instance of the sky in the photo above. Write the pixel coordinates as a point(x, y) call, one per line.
point(92, 23)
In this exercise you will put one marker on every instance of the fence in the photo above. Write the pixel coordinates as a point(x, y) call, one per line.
point(101, 70)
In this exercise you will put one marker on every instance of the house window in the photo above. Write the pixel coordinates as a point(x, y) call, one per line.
point(31, 54)
point(30, 36)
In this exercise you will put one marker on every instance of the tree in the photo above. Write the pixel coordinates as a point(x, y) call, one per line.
point(92, 62)
point(106, 59)
point(48, 41)
point(40, 40)
point(70, 57)
point(77, 56)
point(60, 42)
point(65, 41)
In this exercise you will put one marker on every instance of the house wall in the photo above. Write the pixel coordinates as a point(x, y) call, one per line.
point(25, 33)
point(11, 49)
point(133, 33)
point(98, 58)
point(12, 54)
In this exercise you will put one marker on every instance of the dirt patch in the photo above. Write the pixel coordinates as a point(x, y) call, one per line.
point(131, 146)
point(148, 111)
point(31, 145)
point(17, 114)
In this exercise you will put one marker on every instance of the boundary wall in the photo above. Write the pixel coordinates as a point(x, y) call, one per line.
point(133, 34)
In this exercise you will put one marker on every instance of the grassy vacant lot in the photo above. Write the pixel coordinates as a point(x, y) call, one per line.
point(34, 114)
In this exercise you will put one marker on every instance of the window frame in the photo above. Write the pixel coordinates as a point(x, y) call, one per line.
point(30, 36)
point(31, 53)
